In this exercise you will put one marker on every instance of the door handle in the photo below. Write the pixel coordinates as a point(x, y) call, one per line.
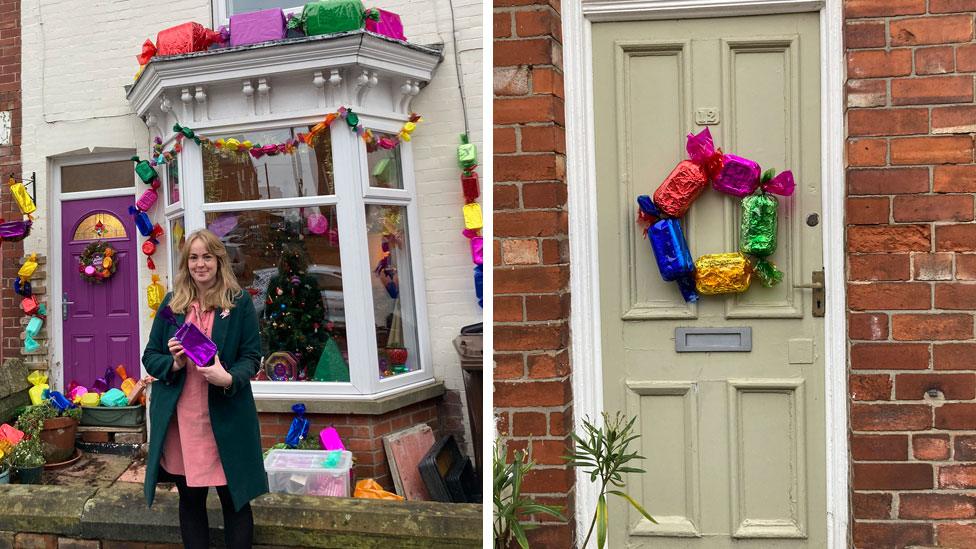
point(818, 295)
point(64, 306)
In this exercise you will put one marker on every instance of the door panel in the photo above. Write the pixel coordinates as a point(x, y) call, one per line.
point(101, 328)
point(734, 442)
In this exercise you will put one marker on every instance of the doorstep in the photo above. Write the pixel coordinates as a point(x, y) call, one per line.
point(101, 498)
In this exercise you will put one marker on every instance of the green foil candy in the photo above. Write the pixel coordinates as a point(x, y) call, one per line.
point(757, 234)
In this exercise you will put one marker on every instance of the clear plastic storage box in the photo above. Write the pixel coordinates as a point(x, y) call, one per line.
point(309, 472)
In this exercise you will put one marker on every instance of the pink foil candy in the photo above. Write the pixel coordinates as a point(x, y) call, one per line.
point(386, 143)
point(478, 250)
point(739, 176)
point(147, 200)
point(783, 184)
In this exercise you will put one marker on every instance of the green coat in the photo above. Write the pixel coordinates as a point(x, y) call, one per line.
point(233, 416)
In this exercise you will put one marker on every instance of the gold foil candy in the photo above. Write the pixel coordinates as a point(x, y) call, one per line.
point(727, 273)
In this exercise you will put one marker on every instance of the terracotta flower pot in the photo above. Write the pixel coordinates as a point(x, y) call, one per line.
point(58, 439)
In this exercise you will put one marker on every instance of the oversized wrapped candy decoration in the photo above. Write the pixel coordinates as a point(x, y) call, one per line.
point(148, 198)
point(36, 322)
point(388, 24)
point(58, 401)
point(330, 17)
point(330, 440)
point(149, 246)
point(298, 430)
point(27, 269)
point(143, 223)
point(690, 177)
point(39, 384)
point(478, 284)
point(12, 435)
point(185, 38)
point(759, 225)
point(21, 196)
point(15, 231)
point(673, 256)
point(30, 305)
point(477, 250)
point(22, 288)
point(467, 154)
point(728, 273)
point(199, 348)
point(91, 398)
point(647, 213)
point(154, 295)
point(257, 26)
point(739, 176)
point(114, 398)
point(76, 394)
point(472, 216)
point(105, 382)
point(469, 186)
point(145, 171)
point(138, 393)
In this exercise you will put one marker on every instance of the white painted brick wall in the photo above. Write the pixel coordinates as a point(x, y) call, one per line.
point(79, 55)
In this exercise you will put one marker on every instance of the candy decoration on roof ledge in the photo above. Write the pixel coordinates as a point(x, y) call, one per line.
point(714, 274)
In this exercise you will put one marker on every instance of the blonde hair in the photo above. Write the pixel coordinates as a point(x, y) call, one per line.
point(225, 288)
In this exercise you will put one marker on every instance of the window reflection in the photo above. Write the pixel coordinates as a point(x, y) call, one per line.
point(288, 261)
point(231, 176)
point(384, 165)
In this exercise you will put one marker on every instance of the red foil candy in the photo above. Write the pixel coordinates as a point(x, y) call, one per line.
point(686, 181)
point(185, 38)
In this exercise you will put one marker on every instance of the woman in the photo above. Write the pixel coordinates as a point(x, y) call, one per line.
point(204, 425)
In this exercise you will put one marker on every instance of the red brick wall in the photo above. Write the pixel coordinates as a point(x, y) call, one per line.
point(911, 181)
point(10, 252)
point(361, 434)
point(532, 392)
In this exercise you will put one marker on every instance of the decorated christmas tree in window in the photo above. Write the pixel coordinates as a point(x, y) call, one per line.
point(294, 324)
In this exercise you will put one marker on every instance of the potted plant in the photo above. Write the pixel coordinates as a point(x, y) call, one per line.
point(5, 464)
point(28, 459)
point(53, 429)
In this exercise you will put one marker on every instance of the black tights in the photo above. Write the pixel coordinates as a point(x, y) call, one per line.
point(194, 527)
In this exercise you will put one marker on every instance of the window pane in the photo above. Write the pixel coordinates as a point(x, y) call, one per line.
point(177, 236)
point(288, 260)
point(97, 177)
point(230, 176)
point(173, 181)
point(244, 6)
point(384, 166)
point(394, 313)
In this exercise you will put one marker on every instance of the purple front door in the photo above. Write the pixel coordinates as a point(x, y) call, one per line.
point(101, 327)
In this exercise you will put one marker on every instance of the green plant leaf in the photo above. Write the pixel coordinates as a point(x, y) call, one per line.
point(633, 503)
point(601, 522)
point(520, 535)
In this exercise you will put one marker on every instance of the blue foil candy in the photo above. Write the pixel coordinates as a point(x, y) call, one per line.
point(687, 286)
point(671, 249)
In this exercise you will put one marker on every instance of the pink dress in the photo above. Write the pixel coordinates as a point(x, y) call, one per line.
point(190, 449)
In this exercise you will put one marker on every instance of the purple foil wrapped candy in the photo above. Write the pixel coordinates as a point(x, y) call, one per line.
point(256, 27)
point(196, 345)
point(739, 176)
point(15, 230)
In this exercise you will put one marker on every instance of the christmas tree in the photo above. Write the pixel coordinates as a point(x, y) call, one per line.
point(294, 316)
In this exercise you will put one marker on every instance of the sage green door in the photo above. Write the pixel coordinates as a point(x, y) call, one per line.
point(734, 441)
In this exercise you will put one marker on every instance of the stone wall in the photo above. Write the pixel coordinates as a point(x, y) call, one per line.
point(10, 163)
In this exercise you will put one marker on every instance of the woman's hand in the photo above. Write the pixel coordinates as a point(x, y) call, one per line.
point(176, 349)
point(216, 374)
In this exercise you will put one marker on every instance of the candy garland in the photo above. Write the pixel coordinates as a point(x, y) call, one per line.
point(15, 231)
point(468, 161)
point(714, 274)
point(256, 150)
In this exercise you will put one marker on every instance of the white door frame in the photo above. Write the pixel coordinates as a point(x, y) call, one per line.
point(55, 324)
point(587, 376)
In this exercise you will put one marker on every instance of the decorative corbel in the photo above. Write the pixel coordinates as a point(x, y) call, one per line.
point(408, 90)
point(201, 98)
point(264, 95)
point(364, 83)
point(248, 91)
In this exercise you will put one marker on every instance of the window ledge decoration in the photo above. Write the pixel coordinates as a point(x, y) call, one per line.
point(724, 273)
point(297, 77)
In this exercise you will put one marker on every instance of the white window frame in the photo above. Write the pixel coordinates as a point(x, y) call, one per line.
point(350, 202)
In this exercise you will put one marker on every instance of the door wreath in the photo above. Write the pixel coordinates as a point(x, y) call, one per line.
point(723, 273)
point(97, 263)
